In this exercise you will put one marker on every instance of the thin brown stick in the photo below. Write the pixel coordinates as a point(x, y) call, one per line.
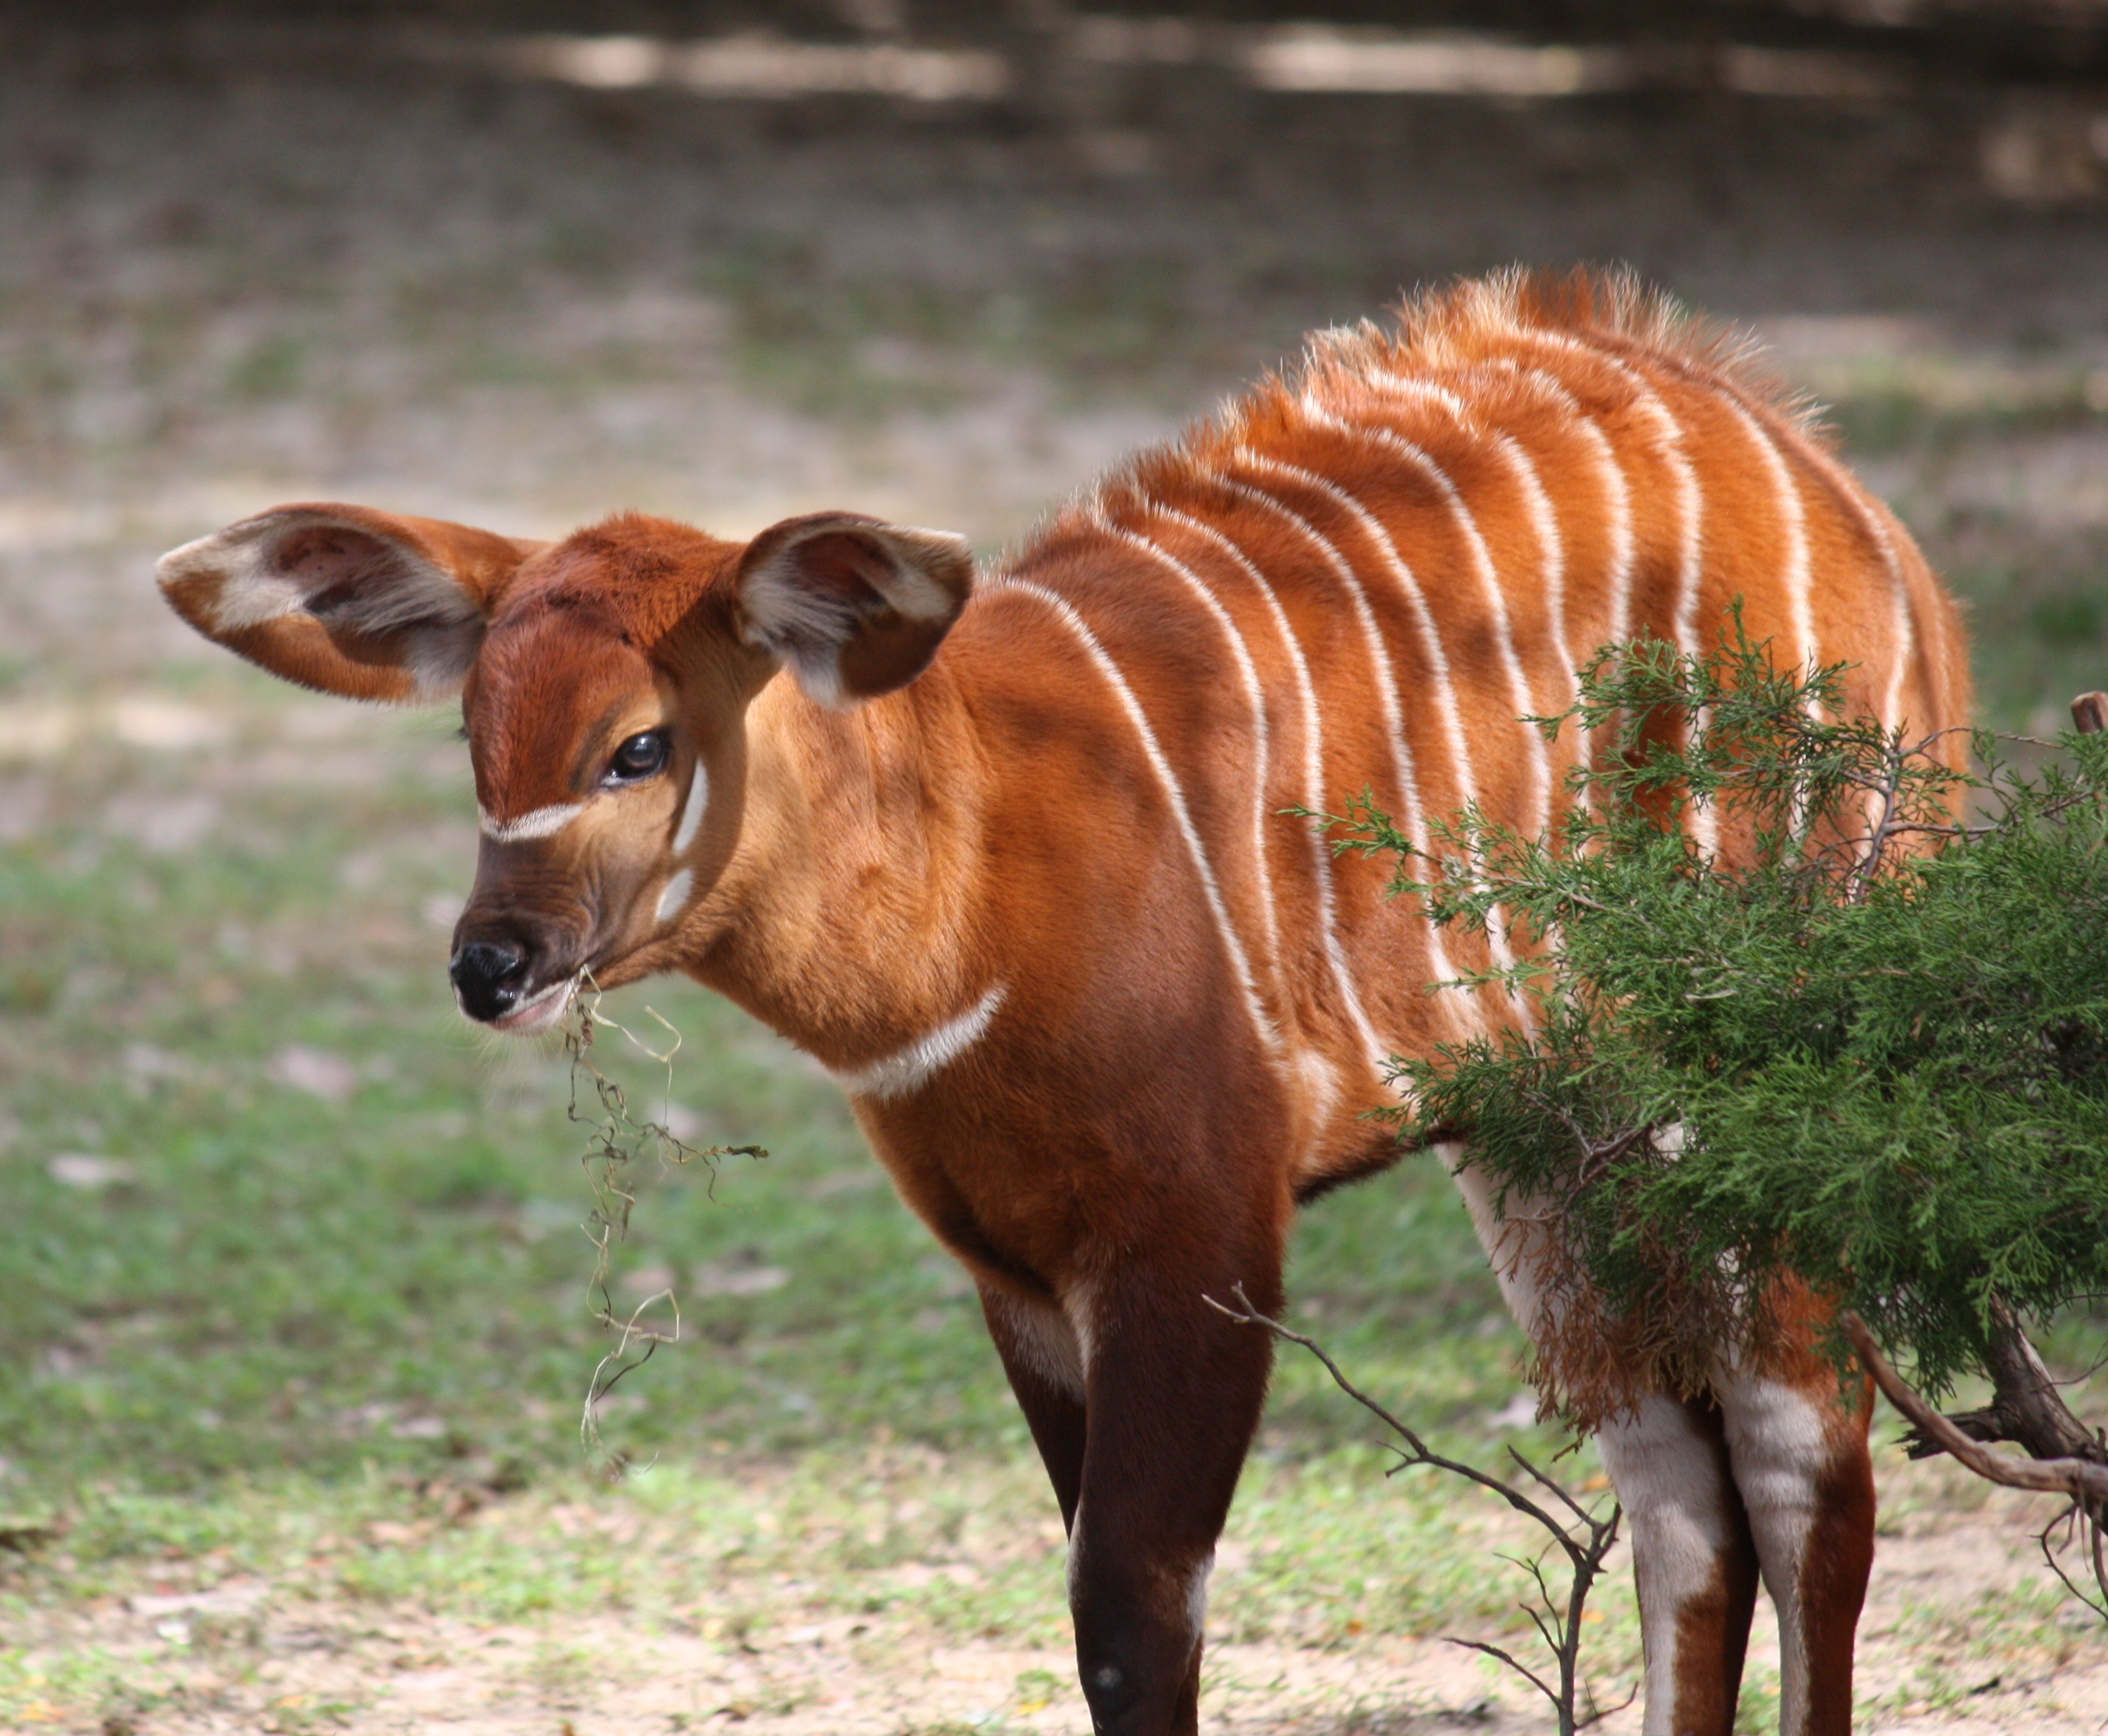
point(2079, 1479)
point(1585, 1540)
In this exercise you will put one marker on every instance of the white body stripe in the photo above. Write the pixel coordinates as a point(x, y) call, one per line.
point(1239, 962)
point(1617, 490)
point(1537, 752)
point(1874, 522)
point(1393, 713)
point(1793, 517)
point(906, 1070)
point(541, 823)
point(1313, 778)
point(1261, 751)
point(1544, 523)
point(1691, 509)
point(1446, 687)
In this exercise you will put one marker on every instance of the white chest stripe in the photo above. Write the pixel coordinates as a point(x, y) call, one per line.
point(540, 823)
point(898, 1074)
point(1153, 751)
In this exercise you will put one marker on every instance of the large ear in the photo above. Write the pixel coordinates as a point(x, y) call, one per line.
point(369, 605)
point(856, 606)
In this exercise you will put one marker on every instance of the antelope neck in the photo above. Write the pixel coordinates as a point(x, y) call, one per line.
point(848, 917)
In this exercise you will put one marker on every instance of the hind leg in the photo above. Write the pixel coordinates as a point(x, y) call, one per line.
point(1801, 1463)
point(1693, 1558)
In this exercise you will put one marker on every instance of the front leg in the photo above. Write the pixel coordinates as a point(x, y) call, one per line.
point(1040, 1354)
point(1173, 1391)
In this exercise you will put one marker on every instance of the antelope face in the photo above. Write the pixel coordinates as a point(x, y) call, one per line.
point(605, 681)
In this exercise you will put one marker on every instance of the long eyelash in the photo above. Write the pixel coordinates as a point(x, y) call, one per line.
point(462, 733)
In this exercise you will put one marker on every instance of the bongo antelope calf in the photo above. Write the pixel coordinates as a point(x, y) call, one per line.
point(1012, 857)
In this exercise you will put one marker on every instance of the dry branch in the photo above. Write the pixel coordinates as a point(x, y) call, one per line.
point(1585, 1539)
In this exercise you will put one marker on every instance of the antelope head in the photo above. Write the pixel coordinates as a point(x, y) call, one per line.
point(604, 682)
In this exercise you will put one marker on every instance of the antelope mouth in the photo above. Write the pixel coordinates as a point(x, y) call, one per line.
point(539, 1011)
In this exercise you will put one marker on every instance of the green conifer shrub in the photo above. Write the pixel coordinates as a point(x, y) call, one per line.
point(1861, 1051)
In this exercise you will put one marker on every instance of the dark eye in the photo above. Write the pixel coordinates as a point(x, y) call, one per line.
point(641, 756)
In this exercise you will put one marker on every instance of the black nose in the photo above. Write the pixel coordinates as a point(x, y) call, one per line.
point(487, 976)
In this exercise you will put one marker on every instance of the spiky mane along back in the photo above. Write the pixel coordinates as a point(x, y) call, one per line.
point(1466, 337)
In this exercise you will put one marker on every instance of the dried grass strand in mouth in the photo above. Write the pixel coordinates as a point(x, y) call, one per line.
point(615, 1137)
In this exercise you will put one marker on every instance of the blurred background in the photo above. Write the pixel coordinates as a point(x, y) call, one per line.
point(293, 1318)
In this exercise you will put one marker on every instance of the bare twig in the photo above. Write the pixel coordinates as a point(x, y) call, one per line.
point(2079, 1478)
point(2082, 1482)
point(1585, 1540)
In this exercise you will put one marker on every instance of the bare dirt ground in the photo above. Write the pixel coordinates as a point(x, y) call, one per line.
point(1960, 1635)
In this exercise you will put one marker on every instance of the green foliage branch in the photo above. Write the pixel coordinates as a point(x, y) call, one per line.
point(1861, 1048)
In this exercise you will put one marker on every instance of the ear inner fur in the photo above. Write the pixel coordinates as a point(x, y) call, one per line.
point(856, 606)
point(366, 604)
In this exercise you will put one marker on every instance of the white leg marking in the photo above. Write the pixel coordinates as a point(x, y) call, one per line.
point(1535, 749)
point(1669, 1477)
point(541, 823)
point(1261, 746)
point(1196, 1595)
point(675, 898)
point(1779, 1447)
point(1043, 1339)
point(1507, 1239)
point(1240, 963)
point(906, 1070)
point(691, 808)
point(1313, 778)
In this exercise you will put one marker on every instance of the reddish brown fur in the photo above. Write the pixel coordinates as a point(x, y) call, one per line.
point(1105, 1010)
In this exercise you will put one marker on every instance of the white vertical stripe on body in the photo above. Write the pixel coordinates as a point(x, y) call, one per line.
point(1537, 754)
point(1689, 508)
point(1792, 518)
point(1537, 503)
point(1544, 522)
point(1153, 751)
point(1873, 520)
point(1617, 490)
point(1314, 797)
point(1262, 750)
point(1424, 619)
point(1393, 713)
